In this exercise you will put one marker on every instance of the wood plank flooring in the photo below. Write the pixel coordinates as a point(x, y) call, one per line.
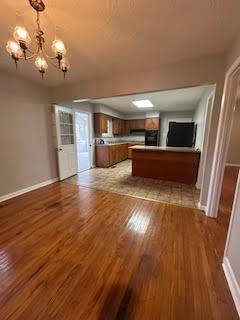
point(77, 253)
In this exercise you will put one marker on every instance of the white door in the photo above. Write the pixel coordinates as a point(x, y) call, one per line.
point(66, 147)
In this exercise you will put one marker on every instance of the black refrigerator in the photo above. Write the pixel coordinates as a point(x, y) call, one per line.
point(181, 134)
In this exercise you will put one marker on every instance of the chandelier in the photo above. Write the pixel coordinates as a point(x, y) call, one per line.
point(19, 47)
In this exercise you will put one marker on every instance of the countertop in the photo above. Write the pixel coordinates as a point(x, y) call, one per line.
point(158, 148)
point(118, 143)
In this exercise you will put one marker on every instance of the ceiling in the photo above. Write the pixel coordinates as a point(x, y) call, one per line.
point(185, 99)
point(109, 37)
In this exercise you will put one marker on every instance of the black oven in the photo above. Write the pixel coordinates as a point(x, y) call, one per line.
point(151, 137)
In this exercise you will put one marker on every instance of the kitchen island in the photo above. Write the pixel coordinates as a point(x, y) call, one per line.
point(166, 163)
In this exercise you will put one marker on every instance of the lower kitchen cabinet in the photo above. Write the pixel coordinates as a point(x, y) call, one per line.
point(130, 151)
point(108, 155)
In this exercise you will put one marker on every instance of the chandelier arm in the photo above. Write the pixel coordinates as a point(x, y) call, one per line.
point(31, 51)
point(54, 65)
point(45, 52)
point(32, 54)
point(30, 57)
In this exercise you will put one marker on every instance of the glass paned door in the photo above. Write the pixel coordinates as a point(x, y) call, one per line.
point(66, 147)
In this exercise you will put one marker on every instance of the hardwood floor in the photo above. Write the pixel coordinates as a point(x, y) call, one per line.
point(77, 253)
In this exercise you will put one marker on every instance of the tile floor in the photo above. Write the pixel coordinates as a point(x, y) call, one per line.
point(118, 179)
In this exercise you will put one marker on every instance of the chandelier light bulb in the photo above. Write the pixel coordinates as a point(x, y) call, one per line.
point(58, 47)
point(21, 35)
point(14, 49)
point(64, 64)
point(41, 64)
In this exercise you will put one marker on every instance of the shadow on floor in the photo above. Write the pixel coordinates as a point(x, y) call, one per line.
point(117, 303)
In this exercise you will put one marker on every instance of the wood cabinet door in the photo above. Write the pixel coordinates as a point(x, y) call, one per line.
point(132, 124)
point(114, 154)
point(104, 123)
point(140, 124)
point(125, 151)
point(129, 151)
point(121, 152)
point(101, 123)
point(102, 156)
point(118, 126)
point(152, 124)
point(122, 127)
point(127, 127)
point(115, 126)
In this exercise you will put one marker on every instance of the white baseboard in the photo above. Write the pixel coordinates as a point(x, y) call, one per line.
point(198, 185)
point(232, 165)
point(201, 207)
point(232, 282)
point(28, 189)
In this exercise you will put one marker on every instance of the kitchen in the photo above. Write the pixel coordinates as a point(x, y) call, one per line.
point(149, 154)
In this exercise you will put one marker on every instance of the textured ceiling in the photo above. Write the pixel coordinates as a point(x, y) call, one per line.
point(108, 37)
point(185, 99)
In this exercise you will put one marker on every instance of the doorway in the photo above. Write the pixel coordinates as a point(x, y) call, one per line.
point(82, 126)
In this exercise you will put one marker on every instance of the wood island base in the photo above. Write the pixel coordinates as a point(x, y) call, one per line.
point(161, 163)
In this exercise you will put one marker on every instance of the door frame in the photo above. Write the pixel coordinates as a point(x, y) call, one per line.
point(90, 132)
point(229, 273)
point(206, 133)
point(223, 137)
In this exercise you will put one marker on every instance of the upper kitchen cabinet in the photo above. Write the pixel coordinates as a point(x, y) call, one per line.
point(136, 124)
point(118, 126)
point(152, 123)
point(139, 124)
point(101, 123)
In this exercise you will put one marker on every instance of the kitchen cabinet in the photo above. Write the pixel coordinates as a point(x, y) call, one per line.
point(118, 126)
point(127, 127)
point(139, 124)
point(108, 155)
point(122, 152)
point(112, 154)
point(129, 155)
point(101, 123)
point(135, 124)
point(122, 127)
point(152, 124)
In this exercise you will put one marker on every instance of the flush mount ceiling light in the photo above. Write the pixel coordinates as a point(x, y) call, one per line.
point(143, 103)
point(19, 47)
point(80, 100)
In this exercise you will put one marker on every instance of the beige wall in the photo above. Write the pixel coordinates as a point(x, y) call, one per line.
point(205, 70)
point(27, 154)
point(233, 156)
point(234, 52)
